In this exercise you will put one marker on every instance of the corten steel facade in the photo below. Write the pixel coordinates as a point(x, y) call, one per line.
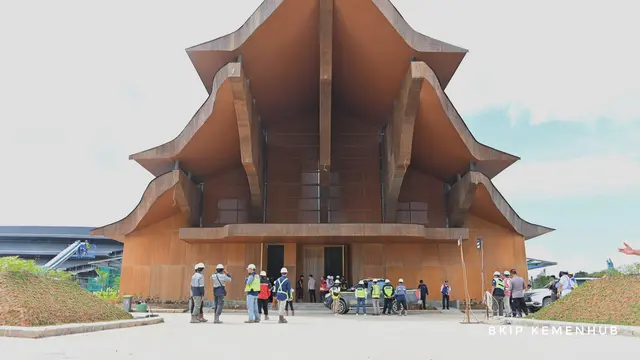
point(327, 144)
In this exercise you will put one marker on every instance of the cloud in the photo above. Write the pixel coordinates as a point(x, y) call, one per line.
point(85, 85)
point(571, 178)
point(548, 60)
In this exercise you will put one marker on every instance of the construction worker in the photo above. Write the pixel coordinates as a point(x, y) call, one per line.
point(252, 289)
point(219, 278)
point(197, 293)
point(388, 292)
point(329, 281)
point(361, 298)
point(376, 290)
point(290, 305)
point(497, 290)
point(283, 293)
point(263, 296)
point(335, 297)
point(507, 293)
point(401, 297)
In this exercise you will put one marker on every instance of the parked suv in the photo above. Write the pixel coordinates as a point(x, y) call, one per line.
point(539, 298)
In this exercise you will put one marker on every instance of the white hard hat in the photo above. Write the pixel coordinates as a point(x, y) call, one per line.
point(375, 280)
point(263, 273)
point(497, 273)
point(199, 266)
point(360, 282)
point(219, 266)
point(337, 282)
point(400, 280)
point(251, 266)
point(337, 276)
point(506, 272)
point(387, 281)
point(283, 270)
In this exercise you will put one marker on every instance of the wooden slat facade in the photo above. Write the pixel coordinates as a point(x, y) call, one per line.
point(321, 116)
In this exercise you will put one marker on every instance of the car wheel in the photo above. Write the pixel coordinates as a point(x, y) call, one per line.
point(343, 309)
point(546, 301)
point(394, 307)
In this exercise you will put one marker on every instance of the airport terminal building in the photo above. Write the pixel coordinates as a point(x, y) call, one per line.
point(44, 243)
point(328, 145)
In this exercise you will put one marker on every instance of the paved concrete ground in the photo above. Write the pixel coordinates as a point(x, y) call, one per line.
point(433, 336)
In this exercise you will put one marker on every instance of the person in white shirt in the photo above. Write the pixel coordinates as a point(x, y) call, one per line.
point(564, 285)
point(311, 285)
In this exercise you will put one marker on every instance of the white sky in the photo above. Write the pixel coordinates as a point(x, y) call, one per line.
point(85, 84)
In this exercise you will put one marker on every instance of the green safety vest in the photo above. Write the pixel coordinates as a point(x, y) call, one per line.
point(254, 286)
point(499, 284)
point(375, 291)
point(388, 290)
point(361, 293)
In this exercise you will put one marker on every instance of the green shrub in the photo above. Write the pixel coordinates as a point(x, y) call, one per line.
point(16, 265)
point(109, 295)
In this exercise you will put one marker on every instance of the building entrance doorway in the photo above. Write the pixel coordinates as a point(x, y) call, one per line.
point(334, 260)
point(275, 261)
point(320, 260)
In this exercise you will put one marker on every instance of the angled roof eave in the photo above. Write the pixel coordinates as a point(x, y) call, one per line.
point(419, 42)
point(485, 155)
point(156, 188)
point(232, 41)
point(522, 227)
point(163, 154)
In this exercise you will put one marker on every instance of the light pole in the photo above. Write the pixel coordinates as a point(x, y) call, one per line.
point(481, 248)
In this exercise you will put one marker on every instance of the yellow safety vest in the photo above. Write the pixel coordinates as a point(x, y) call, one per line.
point(375, 291)
point(361, 293)
point(499, 284)
point(254, 285)
point(335, 293)
point(388, 290)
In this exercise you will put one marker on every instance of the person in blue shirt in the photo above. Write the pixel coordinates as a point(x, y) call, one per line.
point(282, 289)
point(401, 297)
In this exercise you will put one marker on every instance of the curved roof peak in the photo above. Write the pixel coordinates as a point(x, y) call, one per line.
point(210, 56)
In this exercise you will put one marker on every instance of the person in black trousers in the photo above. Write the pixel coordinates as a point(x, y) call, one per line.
point(445, 289)
point(289, 305)
point(300, 289)
point(424, 291)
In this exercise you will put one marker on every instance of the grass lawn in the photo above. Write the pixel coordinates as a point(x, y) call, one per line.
point(28, 299)
point(612, 300)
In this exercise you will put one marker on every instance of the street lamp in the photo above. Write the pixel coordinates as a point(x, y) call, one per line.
point(481, 249)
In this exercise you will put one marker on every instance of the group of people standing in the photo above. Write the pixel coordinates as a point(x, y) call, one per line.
point(561, 286)
point(377, 288)
point(326, 283)
point(508, 290)
point(258, 290)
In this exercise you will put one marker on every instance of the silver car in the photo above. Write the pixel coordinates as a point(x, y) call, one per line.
point(348, 299)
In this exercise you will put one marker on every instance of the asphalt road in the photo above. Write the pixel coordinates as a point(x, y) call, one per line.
point(322, 336)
